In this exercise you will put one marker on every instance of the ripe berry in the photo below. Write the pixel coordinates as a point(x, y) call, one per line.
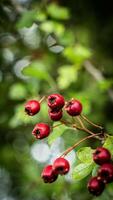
point(32, 107)
point(61, 166)
point(41, 130)
point(55, 115)
point(101, 156)
point(105, 173)
point(95, 186)
point(48, 174)
point(56, 101)
point(73, 107)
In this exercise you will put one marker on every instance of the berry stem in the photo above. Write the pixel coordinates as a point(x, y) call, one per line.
point(90, 122)
point(80, 121)
point(42, 99)
point(57, 125)
point(79, 142)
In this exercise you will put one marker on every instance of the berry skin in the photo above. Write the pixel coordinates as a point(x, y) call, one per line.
point(56, 101)
point(55, 115)
point(61, 166)
point(73, 107)
point(41, 130)
point(101, 156)
point(48, 175)
point(95, 186)
point(32, 107)
point(105, 173)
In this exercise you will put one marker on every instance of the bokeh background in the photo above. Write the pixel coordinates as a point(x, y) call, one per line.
point(47, 47)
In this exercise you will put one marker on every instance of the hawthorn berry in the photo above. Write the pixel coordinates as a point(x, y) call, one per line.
point(101, 156)
point(73, 107)
point(95, 186)
point(32, 107)
point(48, 175)
point(105, 173)
point(55, 115)
point(56, 101)
point(61, 166)
point(41, 130)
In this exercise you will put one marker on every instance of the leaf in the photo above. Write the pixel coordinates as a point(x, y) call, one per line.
point(57, 132)
point(109, 144)
point(81, 171)
point(17, 91)
point(37, 70)
point(26, 19)
point(84, 154)
point(65, 72)
point(95, 169)
point(58, 12)
point(77, 54)
point(52, 27)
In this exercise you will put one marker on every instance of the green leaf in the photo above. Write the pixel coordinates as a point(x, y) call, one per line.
point(65, 72)
point(58, 12)
point(57, 132)
point(37, 70)
point(84, 154)
point(81, 171)
point(77, 54)
point(95, 169)
point(51, 27)
point(26, 19)
point(17, 91)
point(109, 144)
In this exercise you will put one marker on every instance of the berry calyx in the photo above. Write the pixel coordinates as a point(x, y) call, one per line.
point(105, 173)
point(48, 175)
point(41, 130)
point(32, 107)
point(101, 156)
point(56, 101)
point(61, 166)
point(55, 115)
point(95, 186)
point(73, 107)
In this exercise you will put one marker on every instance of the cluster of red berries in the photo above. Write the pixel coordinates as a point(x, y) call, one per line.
point(96, 184)
point(61, 166)
point(55, 103)
point(50, 172)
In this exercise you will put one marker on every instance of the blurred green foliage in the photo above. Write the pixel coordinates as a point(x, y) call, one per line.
point(49, 47)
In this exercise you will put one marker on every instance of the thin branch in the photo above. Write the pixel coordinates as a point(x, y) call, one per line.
point(79, 142)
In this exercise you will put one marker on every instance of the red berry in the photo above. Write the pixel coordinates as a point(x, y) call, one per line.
point(41, 130)
point(61, 166)
point(48, 174)
point(101, 156)
point(105, 173)
point(56, 101)
point(95, 186)
point(32, 107)
point(55, 115)
point(73, 107)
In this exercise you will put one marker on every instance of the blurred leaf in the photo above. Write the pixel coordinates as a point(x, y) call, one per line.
point(17, 91)
point(84, 154)
point(105, 84)
point(26, 19)
point(109, 144)
point(37, 70)
point(81, 171)
point(52, 27)
point(77, 54)
point(58, 12)
point(57, 132)
point(67, 75)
